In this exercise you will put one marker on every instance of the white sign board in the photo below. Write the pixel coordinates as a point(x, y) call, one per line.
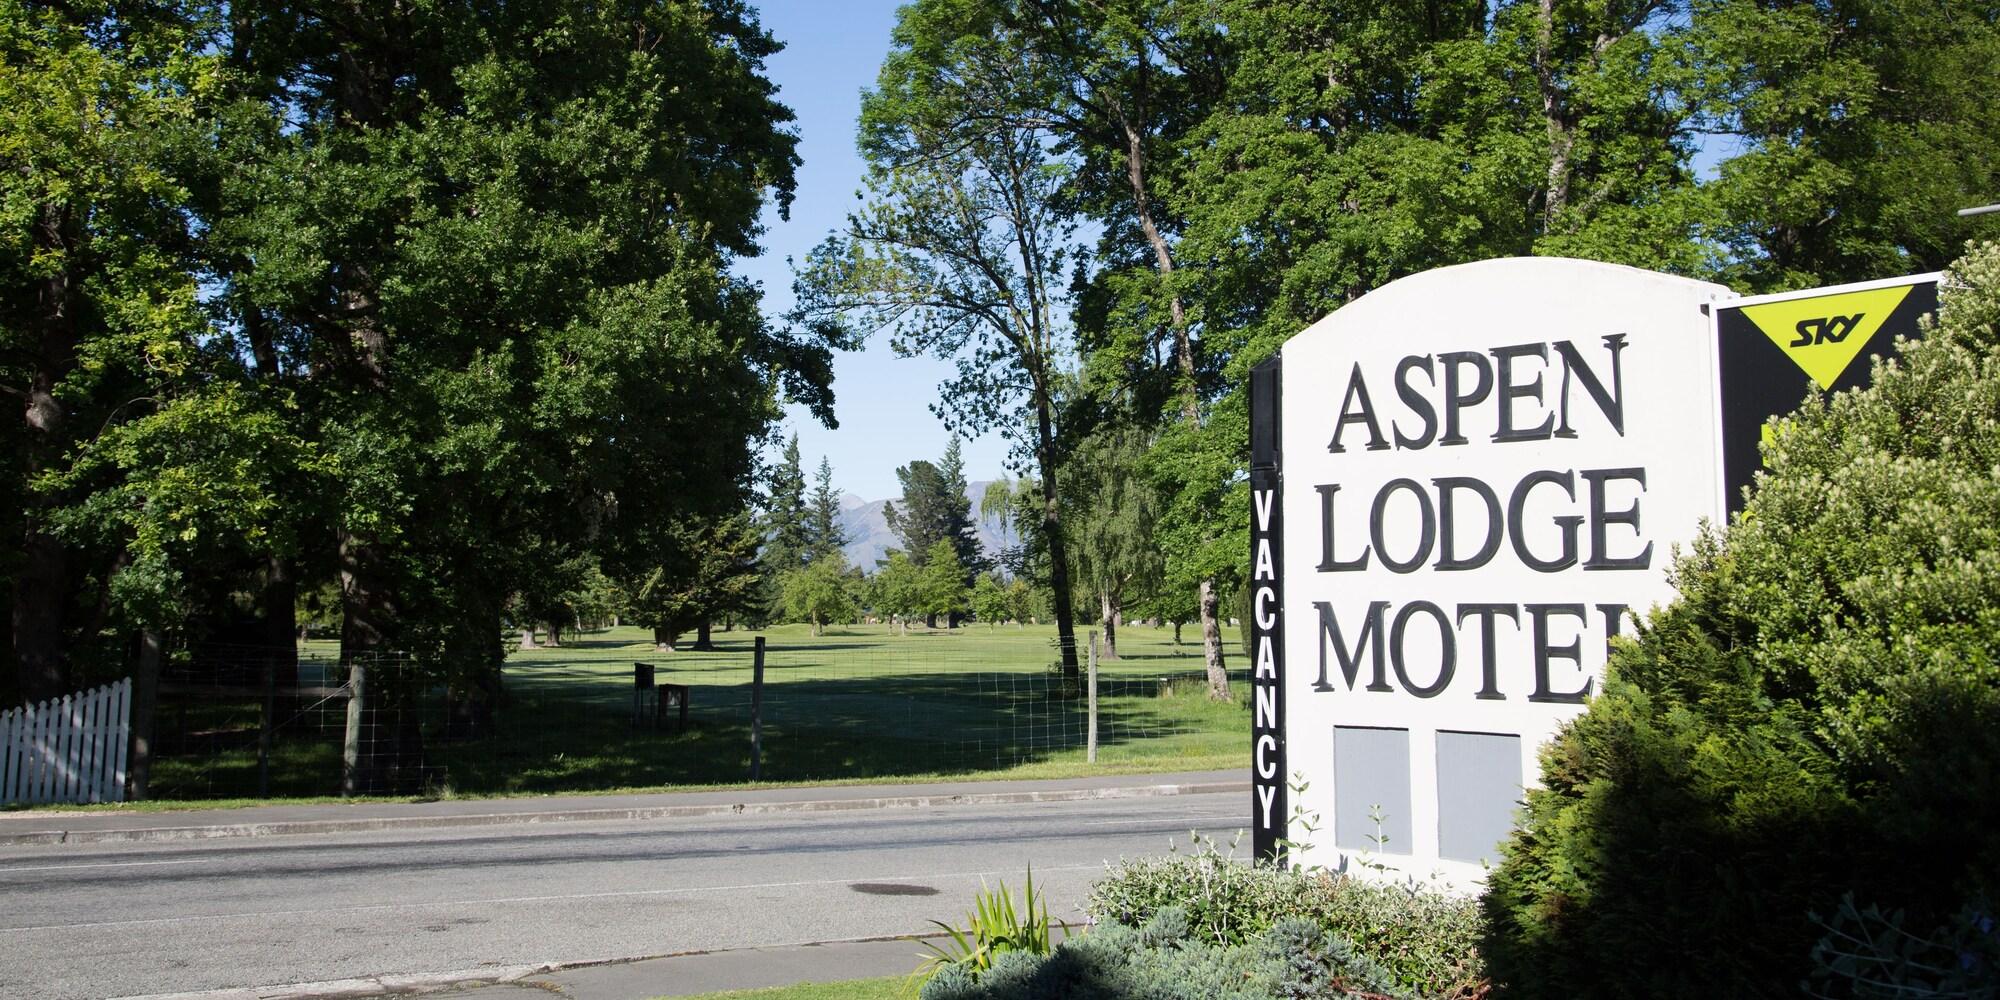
point(1482, 469)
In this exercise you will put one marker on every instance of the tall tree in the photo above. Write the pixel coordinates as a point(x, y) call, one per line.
point(1863, 125)
point(937, 507)
point(491, 243)
point(898, 589)
point(104, 109)
point(1120, 87)
point(997, 505)
point(714, 573)
point(943, 587)
point(787, 517)
point(827, 534)
point(1115, 507)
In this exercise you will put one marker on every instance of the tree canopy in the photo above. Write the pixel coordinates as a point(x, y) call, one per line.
point(426, 302)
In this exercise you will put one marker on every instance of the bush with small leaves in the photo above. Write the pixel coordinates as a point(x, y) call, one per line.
point(1295, 960)
point(952, 982)
point(1424, 939)
point(1815, 715)
point(1314, 963)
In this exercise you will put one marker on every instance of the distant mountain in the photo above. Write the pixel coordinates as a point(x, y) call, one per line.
point(869, 537)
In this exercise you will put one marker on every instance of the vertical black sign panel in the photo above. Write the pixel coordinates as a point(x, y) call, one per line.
point(1772, 350)
point(1269, 807)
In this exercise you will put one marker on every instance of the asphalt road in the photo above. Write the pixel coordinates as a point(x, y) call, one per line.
point(158, 918)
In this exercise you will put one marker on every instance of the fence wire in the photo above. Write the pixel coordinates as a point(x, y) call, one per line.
point(872, 701)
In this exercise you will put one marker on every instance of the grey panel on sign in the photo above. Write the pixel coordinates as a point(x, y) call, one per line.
point(1371, 778)
point(1479, 787)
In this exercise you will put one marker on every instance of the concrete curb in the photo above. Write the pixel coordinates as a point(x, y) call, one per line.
point(168, 834)
point(490, 975)
point(371, 986)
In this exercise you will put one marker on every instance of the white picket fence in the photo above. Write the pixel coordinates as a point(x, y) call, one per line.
point(68, 749)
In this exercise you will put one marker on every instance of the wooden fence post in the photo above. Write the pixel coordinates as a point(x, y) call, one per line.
point(1090, 752)
point(145, 707)
point(350, 756)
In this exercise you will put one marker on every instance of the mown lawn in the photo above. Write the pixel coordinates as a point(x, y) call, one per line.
point(889, 988)
point(857, 703)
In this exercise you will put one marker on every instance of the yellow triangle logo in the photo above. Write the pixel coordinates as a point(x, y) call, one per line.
point(1823, 334)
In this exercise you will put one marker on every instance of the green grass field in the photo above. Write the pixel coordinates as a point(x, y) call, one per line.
point(857, 703)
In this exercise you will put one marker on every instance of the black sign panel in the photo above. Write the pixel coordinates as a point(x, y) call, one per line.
point(1267, 601)
point(1774, 349)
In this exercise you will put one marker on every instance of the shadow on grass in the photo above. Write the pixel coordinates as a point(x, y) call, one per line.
point(565, 727)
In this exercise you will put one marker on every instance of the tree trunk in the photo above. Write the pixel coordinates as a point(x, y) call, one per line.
point(41, 581)
point(1163, 262)
point(1211, 643)
point(1112, 619)
point(473, 697)
point(1561, 136)
point(555, 633)
point(702, 641)
point(145, 708)
point(1072, 670)
point(1177, 633)
point(38, 611)
point(527, 637)
point(663, 638)
point(367, 612)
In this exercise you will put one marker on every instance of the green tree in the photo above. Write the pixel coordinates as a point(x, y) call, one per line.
point(787, 524)
point(818, 593)
point(103, 112)
point(1862, 127)
point(714, 574)
point(826, 533)
point(997, 504)
point(960, 254)
point(942, 584)
point(1118, 556)
point(899, 589)
point(937, 506)
point(1811, 717)
point(989, 600)
point(1021, 601)
point(467, 251)
point(1122, 86)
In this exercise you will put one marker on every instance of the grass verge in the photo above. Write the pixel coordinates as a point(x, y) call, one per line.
point(886, 988)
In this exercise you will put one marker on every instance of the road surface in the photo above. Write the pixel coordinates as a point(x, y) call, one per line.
point(123, 920)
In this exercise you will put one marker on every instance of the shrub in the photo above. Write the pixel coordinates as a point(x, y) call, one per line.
point(1813, 716)
point(1423, 939)
point(1870, 955)
point(995, 929)
point(1296, 959)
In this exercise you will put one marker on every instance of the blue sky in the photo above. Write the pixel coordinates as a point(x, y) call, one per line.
point(832, 50)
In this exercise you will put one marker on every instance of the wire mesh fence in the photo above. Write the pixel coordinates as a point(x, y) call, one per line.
point(867, 701)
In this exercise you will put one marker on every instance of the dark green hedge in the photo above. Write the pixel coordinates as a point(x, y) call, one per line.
point(1817, 715)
